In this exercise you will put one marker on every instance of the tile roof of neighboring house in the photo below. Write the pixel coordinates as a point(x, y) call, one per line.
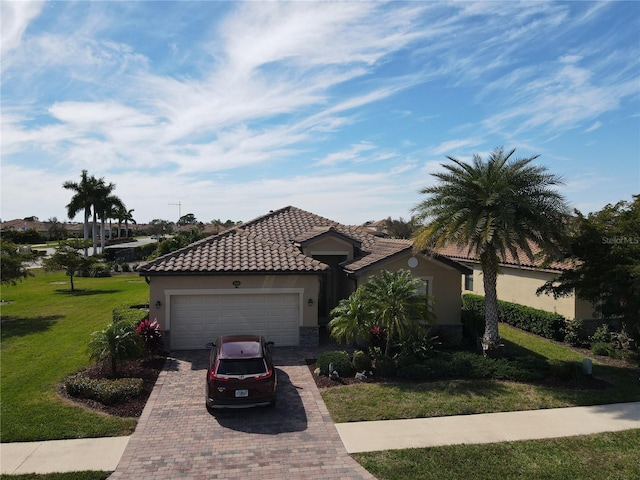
point(269, 244)
point(459, 253)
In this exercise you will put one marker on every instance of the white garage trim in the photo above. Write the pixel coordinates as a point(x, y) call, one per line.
point(260, 297)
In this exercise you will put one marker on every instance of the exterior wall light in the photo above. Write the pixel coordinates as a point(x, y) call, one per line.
point(236, 283)
point(310, 302)
point(158, 304)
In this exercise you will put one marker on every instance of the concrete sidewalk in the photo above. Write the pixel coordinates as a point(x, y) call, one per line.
point(104, 453)
point(488, 427)
point(56, 456)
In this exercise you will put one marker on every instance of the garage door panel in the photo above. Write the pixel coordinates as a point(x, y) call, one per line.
point(198, 319)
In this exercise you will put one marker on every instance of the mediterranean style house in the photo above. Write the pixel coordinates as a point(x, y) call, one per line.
point(280, 275)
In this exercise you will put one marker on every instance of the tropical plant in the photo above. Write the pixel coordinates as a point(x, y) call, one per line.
point(13, 262)
point(390, 303)
point(398, 304)
point(107, 207)
point(67, 257)
point(151, 335)
point(352, 319)
point(117, 342)
point(83, 199)
point(493, 208)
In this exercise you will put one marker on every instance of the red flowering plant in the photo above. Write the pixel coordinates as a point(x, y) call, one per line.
point(151, 335)
point(378, 336)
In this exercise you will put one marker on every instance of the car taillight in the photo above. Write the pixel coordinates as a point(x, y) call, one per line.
point(214, 376)
point(268, 374)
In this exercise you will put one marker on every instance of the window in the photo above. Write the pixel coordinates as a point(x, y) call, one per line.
point(468, 281)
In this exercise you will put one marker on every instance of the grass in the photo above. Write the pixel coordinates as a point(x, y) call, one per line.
point(400, 399)
point(45, 334)
point(592, 457)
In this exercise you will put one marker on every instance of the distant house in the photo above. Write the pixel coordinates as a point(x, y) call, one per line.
point(280, 275)
point(518, 283)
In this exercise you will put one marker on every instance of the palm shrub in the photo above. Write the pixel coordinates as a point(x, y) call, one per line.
point(117, 342)
point(352, 319)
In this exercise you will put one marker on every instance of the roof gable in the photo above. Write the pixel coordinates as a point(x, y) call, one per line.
point(271, 244)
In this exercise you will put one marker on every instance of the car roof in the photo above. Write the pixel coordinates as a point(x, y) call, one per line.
point(240, 346)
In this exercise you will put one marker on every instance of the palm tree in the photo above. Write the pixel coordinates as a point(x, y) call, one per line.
point(82, 200)
point(397, 303)
point(126, 216)
point(107, 207)
point(496, 207)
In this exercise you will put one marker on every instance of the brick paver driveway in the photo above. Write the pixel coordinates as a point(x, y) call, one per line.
point(177, 438)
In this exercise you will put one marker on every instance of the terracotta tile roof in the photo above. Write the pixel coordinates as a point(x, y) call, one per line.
point(269, 244)
point(461, 253)
point(384, 249)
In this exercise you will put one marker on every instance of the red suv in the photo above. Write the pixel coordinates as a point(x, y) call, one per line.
point(241, 372)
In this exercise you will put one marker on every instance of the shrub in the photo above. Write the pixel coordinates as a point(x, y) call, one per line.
point(602, 348)
point(384, 366)
point(340, 360)
point(361, 361)
point(574, 333)
point(546, 324)
point(131, 314)
point(151, 335)
point(117, 342)
point(418, 347)
point(473, 366)
point(107, 392)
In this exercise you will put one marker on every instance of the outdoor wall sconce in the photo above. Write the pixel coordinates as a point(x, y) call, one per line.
point(236, 283)
point(158, 304)
point(310, 302)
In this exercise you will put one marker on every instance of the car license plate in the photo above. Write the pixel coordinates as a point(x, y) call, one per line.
point(242, 393)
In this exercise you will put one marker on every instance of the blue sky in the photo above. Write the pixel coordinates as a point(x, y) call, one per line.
point(233, 109)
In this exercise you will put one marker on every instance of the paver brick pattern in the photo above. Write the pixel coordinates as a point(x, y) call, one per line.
point(177, 438)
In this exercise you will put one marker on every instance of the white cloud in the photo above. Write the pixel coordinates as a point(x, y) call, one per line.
point(16, 16)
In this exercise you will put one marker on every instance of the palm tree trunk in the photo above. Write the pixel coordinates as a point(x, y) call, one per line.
point(86, 232)
point(491, 338)
point(95, 233)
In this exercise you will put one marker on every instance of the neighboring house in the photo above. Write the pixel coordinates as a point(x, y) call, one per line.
point(280, 275)
point(518, 282)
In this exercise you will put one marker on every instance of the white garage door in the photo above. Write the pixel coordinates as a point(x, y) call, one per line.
point(198, 319)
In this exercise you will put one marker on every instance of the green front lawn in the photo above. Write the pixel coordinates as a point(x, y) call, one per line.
point(593, 457)
point(45, 334)
point(401, 399)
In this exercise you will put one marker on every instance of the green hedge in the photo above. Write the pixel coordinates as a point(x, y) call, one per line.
point(340, 360)
point(469, 365)
point(131, 314)
point(107, 392)
point(546, 324)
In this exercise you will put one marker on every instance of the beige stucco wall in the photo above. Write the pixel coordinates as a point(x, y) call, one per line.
point(329, 245)
point(444, 283)
point(162, 287)
point(520, 285)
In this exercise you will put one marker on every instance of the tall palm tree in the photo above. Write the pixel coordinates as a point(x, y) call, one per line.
point(496, 207)
point(128, 217)
point(82, 200)
point(105, 206)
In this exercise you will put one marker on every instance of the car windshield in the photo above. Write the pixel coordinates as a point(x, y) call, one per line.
point(247, 366)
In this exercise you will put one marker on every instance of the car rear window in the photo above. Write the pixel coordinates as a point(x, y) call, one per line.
point(248, 366)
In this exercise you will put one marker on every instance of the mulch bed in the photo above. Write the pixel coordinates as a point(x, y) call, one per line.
point(148, 370)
